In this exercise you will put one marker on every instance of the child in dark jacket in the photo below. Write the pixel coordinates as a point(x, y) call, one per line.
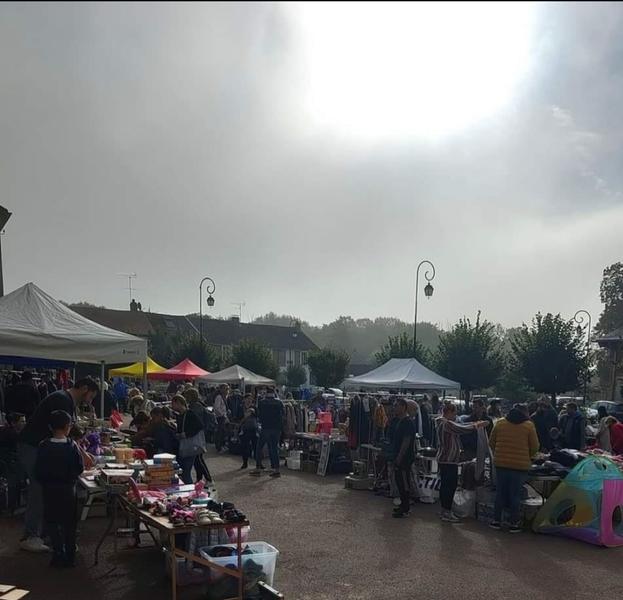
point(248, 436)
point(57, 468)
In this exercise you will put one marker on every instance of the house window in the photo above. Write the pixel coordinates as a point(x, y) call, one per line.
point(304, 358)
point(280, 357)
point(170, 324)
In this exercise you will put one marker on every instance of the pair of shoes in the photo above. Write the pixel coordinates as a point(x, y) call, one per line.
point(34, 544)
point(400, 514)
point(206, 517)
point(256, 472)
point(515, 529)
point(495, 525)
point(449, 517)
point(275, 474)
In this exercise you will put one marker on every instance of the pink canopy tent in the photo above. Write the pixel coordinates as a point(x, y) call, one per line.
point(187, 369)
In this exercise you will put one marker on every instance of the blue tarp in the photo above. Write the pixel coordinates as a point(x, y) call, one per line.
point(42, 363)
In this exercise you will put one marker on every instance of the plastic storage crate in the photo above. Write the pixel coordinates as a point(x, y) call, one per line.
point(263, 554)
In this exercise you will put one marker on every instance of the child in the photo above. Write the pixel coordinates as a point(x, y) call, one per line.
point(248, 436)
point(57, 467)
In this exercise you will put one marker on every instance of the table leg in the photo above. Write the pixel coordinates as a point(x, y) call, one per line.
point(109, 527)
point(241, 577)
point(173, 566)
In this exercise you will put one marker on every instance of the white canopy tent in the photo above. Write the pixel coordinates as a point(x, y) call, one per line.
point(401, 373)
point(236, 374)
point(35, 325)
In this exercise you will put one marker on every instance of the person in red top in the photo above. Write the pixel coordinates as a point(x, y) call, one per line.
point(616, 438)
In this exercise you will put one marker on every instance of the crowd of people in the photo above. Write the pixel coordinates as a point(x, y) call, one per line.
point(41, 444)
point(514, 440)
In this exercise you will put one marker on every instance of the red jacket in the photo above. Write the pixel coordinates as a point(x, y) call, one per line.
point(616, 438)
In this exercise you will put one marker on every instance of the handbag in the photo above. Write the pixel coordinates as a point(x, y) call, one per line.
point(193, 446)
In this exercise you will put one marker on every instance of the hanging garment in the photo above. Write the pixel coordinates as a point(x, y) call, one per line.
point(482, 451)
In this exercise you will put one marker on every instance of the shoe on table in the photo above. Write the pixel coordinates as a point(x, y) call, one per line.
point(495, 525)
point(34, 544)
point(275, 474)
point(515, 528)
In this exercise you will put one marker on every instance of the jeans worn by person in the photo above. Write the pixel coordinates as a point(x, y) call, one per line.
point(403, 481)
point(248, 444)
point(271, 438)
point(219, 434)
point(449, 474)
point(186, 464)
point(508, 494)
point(33, 520)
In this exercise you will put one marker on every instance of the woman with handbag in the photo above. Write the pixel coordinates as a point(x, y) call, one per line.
point(190, 435)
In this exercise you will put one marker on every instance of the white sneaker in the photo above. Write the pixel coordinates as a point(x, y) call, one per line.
point(34, 544)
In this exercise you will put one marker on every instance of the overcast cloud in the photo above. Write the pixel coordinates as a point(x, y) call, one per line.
point(174, 141)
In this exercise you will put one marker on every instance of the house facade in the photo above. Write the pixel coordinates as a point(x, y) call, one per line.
point(289, 345)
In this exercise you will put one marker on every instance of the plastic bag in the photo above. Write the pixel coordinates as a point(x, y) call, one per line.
point(464, 503)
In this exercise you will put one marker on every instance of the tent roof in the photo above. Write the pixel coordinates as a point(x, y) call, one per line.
point(402, 373)
point(33, 324)
point(187, 369)
point(235, 374)
point(136, 370)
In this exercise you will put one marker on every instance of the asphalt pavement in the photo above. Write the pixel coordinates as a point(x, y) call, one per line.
point(335, 544)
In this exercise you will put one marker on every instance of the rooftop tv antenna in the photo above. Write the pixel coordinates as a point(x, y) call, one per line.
point(130, 277)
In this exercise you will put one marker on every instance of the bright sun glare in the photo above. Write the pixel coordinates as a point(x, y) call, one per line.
point(397, 70)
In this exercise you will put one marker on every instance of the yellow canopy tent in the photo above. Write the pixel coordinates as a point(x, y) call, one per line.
point(136, 370)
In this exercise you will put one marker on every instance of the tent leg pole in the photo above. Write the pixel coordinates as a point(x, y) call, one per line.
point(102, 374)
point(145, 380)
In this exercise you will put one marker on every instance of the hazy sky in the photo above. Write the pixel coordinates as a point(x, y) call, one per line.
point(307, 157)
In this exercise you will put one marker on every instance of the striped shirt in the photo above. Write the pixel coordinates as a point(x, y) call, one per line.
point(449, 435)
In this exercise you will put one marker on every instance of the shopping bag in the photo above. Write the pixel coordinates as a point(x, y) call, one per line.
point(192, 446)
point(464, 503)
point(116, 419)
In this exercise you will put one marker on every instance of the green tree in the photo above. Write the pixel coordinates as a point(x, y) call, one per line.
point(328, 366)
point(471, 354)
point(550, 354)
point(611, 293)
point(256, 357)
point(296, 376)
point(401, 346)
point(203, 355)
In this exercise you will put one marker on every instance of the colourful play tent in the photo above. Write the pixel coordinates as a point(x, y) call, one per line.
point(136, 370)
point(586, 505)
point(187, 369)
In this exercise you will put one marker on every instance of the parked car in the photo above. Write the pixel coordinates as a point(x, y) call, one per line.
point(614, 409)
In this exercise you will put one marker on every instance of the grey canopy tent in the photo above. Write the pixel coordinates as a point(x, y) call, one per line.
point(35, 325)
point(401, 373)
point(236, 374)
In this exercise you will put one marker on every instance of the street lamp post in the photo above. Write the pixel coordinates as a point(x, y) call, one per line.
point(429, 275)
point(210, 288)
point(579, 318)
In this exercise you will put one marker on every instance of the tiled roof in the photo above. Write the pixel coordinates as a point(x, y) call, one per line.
point(228, 333)
point(216, 331)
point(133, 322)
